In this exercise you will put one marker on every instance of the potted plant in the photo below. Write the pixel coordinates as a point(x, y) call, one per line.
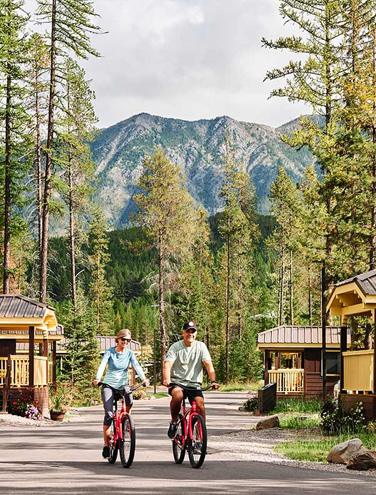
point(57, 405)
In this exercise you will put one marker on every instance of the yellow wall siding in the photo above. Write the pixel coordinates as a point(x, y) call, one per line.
point(358, 370)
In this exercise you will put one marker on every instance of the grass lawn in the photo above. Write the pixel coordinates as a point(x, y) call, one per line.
point(314, 447)
point(241, 387)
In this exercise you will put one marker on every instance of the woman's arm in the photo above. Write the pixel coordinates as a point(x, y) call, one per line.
point(137, 367)
point(102, 366)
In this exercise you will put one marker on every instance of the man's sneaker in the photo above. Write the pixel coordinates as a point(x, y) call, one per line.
point(172, 430)
point(106, 452)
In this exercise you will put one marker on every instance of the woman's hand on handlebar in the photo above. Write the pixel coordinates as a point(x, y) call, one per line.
point(96, 383)
point(146, 383)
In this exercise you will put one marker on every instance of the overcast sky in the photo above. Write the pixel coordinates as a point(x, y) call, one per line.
point(187, 59)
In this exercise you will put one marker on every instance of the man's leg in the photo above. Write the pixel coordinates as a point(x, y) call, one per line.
point(201, 406)
point(175, 404)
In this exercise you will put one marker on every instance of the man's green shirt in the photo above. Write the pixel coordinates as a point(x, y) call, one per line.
point(187, 363)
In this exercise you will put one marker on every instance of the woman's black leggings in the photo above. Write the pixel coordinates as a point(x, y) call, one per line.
point(108, 394)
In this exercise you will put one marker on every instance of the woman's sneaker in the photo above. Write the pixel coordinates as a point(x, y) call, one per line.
point(106, 452)
point(172, 430)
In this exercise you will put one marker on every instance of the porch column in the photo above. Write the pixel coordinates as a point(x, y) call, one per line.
point(45, 354)
point(266, 366)
point(374, 351)
point(31, 356)
point(54, 363)
point(343, 341)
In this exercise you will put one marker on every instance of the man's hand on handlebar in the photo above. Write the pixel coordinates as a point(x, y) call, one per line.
point(214, 385)
point(166, 383)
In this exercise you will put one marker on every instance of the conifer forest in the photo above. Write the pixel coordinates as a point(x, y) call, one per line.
point(234, 273)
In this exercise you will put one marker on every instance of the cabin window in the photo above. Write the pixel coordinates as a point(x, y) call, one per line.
point(333, 363)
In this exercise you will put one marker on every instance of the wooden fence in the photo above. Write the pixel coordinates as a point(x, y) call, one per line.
point(19, 371)
point(288, 380)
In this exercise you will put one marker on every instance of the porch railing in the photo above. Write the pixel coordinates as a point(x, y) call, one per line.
point(288, 380)
point(19, 370)
point(358, 370)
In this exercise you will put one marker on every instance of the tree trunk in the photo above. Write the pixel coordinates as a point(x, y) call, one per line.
point(228, 311)
point(281, 287)
point(7, 187)
point(310, 295)
point(372, 237)
point(162, 328)
point(48, 171)
point(291, 291)
point(72, 239)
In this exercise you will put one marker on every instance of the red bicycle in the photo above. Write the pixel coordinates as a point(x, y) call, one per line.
point(190, 435)
point(123, 433)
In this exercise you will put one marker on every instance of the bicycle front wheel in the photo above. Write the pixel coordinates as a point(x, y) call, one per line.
point(178, 447)
point(113, 446)
point(198, 443)
point(127, 446)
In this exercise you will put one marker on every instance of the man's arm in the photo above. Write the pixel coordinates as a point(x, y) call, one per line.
point(166, 373)
point(210, 369)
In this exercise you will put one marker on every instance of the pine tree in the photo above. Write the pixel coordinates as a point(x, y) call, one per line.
point(100, 294)
point(14, 163)
point(167, 214)
point(71, 27)
point(74, 131)
point(238, 229)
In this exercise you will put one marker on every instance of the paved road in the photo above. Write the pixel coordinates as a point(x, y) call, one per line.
point(66, 459)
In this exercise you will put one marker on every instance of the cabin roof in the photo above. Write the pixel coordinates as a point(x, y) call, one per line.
point(299, 336)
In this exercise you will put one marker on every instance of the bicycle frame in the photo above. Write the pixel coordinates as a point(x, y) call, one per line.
point(188, 415)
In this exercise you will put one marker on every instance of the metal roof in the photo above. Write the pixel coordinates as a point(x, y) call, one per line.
point(366, 282)
point(17, 306)
point(104, 343)
point(287, 334)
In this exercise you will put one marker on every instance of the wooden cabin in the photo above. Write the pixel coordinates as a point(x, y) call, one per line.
point(293, 359)
point(29, 326)
point(356, 297)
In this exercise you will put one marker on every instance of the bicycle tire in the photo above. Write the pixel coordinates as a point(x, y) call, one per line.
point(198, 443)
point(177, 443)
point(127, 446)
point(113, 447)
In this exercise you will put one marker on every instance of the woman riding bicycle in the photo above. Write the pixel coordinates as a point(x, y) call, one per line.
point(118, 358)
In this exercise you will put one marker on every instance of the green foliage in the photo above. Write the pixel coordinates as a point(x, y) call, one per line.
point(298, 422)
point(335, 419)
point(251, 404)
point(298, 406)
point(315, 448)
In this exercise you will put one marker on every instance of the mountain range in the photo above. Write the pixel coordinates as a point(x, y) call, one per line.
point(197, 147)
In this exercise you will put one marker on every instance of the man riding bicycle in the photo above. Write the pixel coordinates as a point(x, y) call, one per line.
point(184, 365)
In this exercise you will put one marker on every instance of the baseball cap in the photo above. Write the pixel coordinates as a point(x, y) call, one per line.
point(189, 324)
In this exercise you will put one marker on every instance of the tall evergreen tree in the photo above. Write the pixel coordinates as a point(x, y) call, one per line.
point(100, 294)
point(70, 30)
point(167, 214)
point(14, 119)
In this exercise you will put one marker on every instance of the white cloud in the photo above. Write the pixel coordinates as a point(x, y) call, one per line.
point(187, 59)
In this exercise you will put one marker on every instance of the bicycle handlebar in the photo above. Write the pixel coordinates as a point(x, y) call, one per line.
point(132, 388)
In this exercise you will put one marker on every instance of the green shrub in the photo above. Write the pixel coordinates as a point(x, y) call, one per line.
point(336, 420)
point(251, 404)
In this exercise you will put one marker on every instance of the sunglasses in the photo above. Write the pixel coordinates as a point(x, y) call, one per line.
point(126, 340)
point(191, 330)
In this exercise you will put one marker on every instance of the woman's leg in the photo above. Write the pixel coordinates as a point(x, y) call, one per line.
point(108, 404)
